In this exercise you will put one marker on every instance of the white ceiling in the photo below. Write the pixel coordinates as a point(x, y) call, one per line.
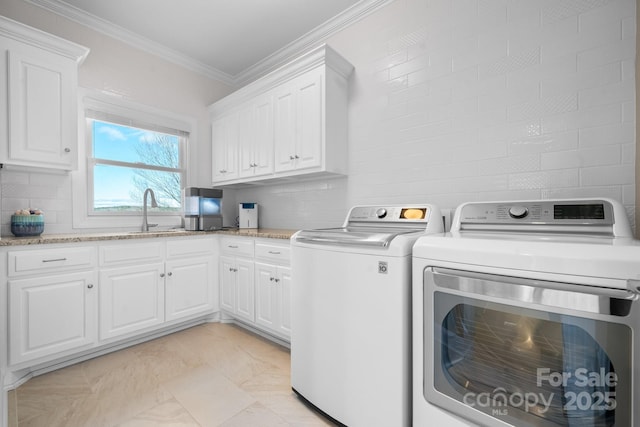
point(231, 40)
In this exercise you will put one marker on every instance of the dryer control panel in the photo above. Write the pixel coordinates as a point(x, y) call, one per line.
point(596, 212)
point(581, 216)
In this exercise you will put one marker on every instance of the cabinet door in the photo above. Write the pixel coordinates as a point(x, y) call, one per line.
point(131, 299)
point(246, 141)
point(284, 300)
point(227, 284)
point(50, 315)
point(299, 120)
point(284, 130)
point(309, 120)
point(42, 109)
point(245, 292)
point(263, 136)
point(224, 135)
point(188, 288)
point(266, 295)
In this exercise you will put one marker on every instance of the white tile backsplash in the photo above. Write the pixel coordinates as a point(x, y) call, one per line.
point(485, 100)
point(49, 192)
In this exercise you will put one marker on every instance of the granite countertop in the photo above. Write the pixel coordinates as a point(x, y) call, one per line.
point(266, 233)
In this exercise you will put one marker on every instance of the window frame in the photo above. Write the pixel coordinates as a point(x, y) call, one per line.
point(82, 179)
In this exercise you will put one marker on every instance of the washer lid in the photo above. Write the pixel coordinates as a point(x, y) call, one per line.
point(379, 237)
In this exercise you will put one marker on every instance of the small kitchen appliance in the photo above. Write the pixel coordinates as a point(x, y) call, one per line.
point(248, 215)
point(527, 314)
point(202, 209)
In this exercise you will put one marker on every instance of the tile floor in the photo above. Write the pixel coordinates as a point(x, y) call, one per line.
point(209, 375)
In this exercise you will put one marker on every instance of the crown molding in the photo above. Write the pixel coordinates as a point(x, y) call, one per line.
point(310, 40)
point(131, 38)
point(35, 37)
point(287, 53)
point(322, 55)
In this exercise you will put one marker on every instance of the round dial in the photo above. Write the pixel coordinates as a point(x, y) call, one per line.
point(518, 211)
point(381, 213)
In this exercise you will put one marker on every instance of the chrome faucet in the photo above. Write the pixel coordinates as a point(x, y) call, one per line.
point(145, 224)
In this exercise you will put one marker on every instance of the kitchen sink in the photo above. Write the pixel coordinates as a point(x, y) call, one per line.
point(156, 232)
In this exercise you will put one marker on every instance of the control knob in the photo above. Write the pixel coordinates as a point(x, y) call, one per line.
point(381, 213)
point(518, 212)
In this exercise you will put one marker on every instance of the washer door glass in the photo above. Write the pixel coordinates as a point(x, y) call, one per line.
point(532, 368)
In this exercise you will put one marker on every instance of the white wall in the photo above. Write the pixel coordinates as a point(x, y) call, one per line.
point(115, 68)
point(459, 100)
point(451, 100)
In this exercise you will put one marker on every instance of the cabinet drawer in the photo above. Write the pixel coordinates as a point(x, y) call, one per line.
point(45, 260)
point(237, 246)
point(131, 253)
point(189, 247)
point(278, 253)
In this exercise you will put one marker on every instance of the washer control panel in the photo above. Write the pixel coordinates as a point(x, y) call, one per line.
point(597, 212)
point(388, 214)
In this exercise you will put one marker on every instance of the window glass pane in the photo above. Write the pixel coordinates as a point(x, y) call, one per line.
point(121, 189)
point(134, 145)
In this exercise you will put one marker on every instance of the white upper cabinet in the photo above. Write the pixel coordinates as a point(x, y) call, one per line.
point(256, 137)
point(38, 102)
point(289, 123)
point(225, 132)
point(299, 122)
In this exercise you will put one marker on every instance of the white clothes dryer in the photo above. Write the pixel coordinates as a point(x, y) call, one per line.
point(526, 314)
point(351, 321)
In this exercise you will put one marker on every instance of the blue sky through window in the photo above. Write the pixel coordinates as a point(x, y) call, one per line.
point(115, 185)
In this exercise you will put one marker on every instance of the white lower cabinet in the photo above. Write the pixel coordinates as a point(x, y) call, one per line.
point(131, 299)
point(72, 298)
point(255, 283)
point(188, 287)
point(51, 315)
point(236, 277)
point(149, 284)
point(52, 302)
point(237, 287)
point(273, 294)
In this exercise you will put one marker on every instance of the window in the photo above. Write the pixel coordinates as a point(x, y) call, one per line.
point(125, 148)
point(126, 158)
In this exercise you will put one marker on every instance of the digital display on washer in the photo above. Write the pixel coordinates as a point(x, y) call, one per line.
point(593, 211)
point(413, 213)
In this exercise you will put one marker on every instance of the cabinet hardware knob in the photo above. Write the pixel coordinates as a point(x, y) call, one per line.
point(277, 280)
point(271, 279)
point(67, 150)
point(161, 274)
point(296, 157)
point(291, 158)
point(90, 286)
point(170, 274)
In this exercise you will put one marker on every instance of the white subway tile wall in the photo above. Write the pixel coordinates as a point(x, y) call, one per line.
point(49, 192)
point(460, 100)
point(454, 101)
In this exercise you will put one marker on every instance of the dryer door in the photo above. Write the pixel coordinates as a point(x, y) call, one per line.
point(498, 350)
